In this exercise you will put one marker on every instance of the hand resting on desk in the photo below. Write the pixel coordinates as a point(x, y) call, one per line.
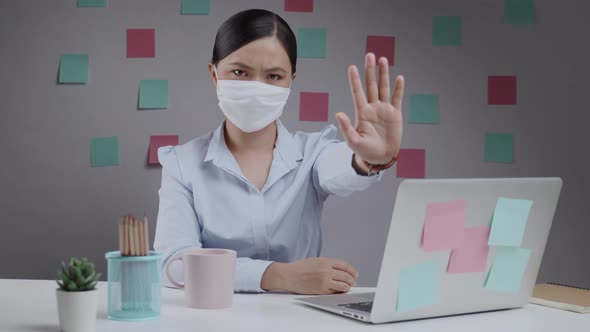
point(310, 276)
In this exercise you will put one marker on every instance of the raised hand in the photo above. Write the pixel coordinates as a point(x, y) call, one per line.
point(377, 133)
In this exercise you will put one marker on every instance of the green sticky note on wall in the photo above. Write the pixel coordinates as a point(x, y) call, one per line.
point(419, 285)
point(153, 94)
point(311, 42)
point(509, 221)
point(499, 148)
point(508, 269)
point(195, 7)
point(73, 68)
point(104, 151)
point(92, 3)
point(446, 30)
point(519, 11)
point(424, 109)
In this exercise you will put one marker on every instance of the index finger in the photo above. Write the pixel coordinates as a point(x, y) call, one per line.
point(346, 267)
point(356, 88)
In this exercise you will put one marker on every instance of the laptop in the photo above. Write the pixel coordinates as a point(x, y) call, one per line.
point(457, 293)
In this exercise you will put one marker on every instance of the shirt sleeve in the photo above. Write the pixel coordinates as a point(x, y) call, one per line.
point(332, 170)
point(178, 229)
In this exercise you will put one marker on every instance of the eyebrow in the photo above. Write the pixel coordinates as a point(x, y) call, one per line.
point(243, 65)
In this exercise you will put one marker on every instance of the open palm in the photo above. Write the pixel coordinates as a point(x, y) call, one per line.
point(377, 133)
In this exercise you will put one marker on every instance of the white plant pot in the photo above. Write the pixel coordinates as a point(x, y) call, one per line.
point(77, 310)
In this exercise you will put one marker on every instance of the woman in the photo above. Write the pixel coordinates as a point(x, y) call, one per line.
point(254, 187)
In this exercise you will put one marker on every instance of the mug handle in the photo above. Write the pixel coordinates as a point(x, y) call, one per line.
point(174, 282)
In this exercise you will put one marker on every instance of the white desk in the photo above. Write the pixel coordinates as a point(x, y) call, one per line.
point(30, 305)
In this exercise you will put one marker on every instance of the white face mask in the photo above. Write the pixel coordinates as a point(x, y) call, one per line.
point(251, 105)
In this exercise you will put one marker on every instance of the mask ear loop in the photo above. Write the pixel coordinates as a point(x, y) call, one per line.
point(217, 77)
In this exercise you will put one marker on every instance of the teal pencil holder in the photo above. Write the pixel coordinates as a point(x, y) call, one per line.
point(134, 286)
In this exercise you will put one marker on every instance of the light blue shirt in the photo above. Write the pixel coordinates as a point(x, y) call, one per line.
point(206, 201)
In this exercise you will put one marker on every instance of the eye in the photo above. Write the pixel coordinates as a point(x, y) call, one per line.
point(274, 77)
point(238, 72)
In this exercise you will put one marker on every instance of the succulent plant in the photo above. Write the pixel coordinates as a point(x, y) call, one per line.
point(78, 276)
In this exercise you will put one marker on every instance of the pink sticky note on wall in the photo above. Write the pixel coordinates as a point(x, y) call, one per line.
point(313, 106)
point(141, 43)
point(299, 6)
point(501, 90)
point(444, 225)
point(411, 163)
point(382, 46)
point(473, 256)
point(158, 141)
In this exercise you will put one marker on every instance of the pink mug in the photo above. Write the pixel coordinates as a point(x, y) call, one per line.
point(208, 277)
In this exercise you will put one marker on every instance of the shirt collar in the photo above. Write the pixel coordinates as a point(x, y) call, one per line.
point(285, 144)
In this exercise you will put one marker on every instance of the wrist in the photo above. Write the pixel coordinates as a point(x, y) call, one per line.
point(360, 164)
point(274, 277)
point(364, 168)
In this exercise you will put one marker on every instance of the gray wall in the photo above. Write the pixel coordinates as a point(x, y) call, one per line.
point(54, 205)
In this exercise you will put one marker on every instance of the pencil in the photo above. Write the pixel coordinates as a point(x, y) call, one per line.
point(136, 236)
point(146, 235)
point(130, 236)
point(141, 240)
point(121, 236)
point(126, 235)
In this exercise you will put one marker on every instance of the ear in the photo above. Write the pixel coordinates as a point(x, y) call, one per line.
point(293, 77)
point(212, 73)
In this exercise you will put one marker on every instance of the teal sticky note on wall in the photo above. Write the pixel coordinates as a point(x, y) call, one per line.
point(104, 151)
point(424, 109)
point(447, 30)
point(519, 11)
point(153, 94)
point(92, 3)
point(195, 7)
point(509, 221)
point(73, 68)
point(311, 42)
point(419, 285)
point(508, 269)
point(499, 148)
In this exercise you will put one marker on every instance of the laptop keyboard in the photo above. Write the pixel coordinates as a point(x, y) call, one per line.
point(361, 306)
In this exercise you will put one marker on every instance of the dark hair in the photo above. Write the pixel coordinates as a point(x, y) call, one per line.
point(250, 25)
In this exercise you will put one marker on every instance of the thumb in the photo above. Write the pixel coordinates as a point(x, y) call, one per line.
point(347, 130)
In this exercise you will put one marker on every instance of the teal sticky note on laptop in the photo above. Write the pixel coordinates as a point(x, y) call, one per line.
point(419, 285)
point(509, 221)
point(508, 269)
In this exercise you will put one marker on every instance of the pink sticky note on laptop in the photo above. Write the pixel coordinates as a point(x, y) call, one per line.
point(444, 225)
point(473, 256)
point(158, 141)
